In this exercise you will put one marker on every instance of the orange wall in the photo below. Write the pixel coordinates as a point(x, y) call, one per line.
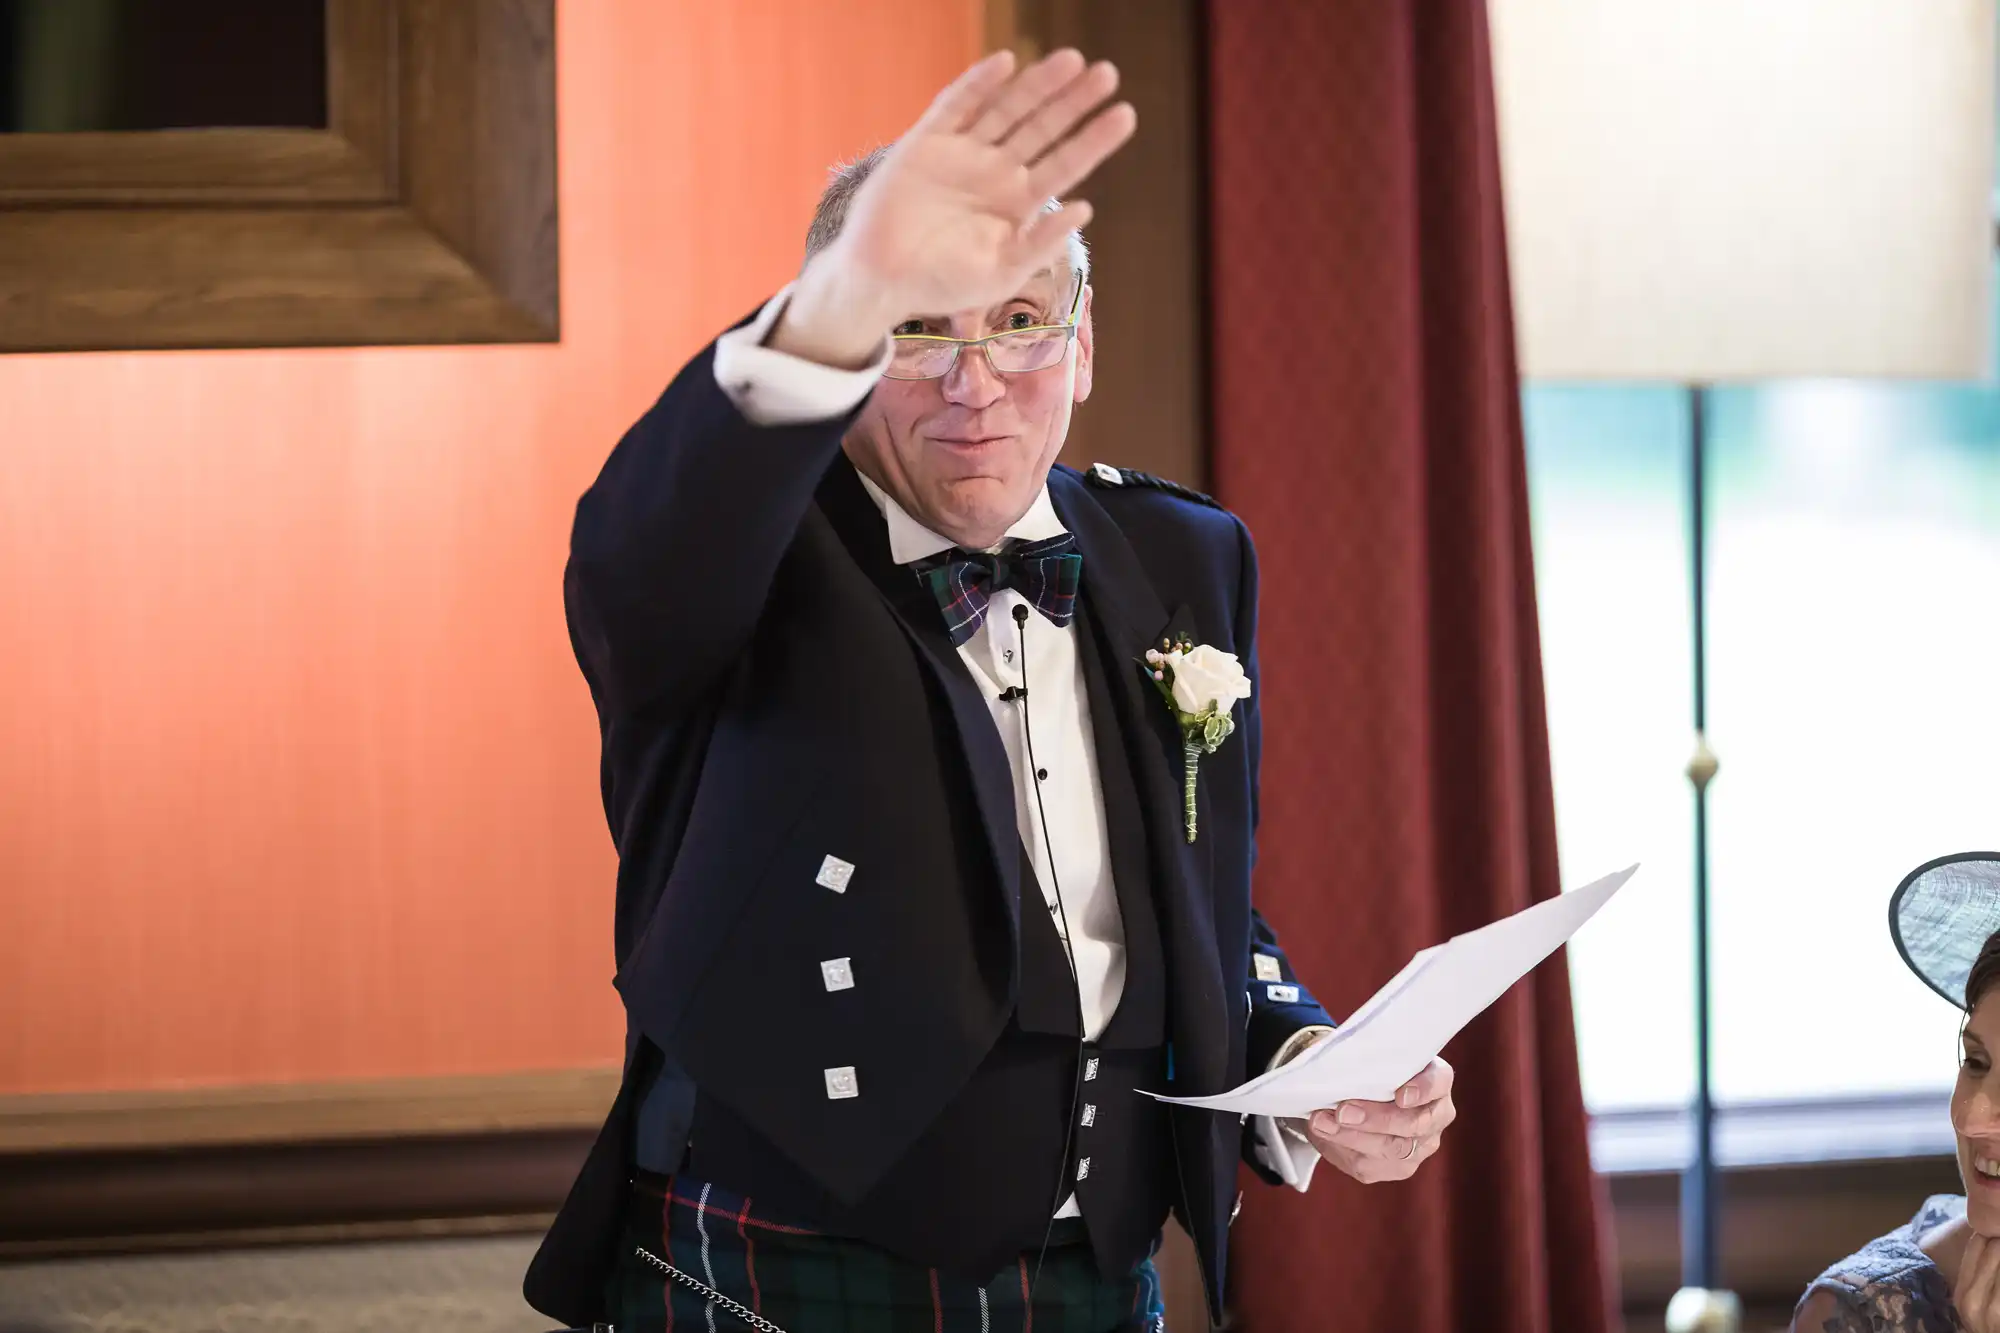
point(297, 776)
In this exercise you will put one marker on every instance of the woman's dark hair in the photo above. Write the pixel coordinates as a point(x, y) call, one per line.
point(1985, 972)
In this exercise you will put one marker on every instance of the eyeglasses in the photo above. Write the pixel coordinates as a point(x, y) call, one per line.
point(925, 356)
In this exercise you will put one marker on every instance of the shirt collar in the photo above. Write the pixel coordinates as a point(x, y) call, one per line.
point(910, 541)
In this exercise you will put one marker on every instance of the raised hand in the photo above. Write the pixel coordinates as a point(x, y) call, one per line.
point(952, 218)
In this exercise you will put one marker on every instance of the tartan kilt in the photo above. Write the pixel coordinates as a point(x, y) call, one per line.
point(808, 1282)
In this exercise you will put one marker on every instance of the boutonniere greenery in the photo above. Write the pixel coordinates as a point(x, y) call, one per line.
point(1201, 685)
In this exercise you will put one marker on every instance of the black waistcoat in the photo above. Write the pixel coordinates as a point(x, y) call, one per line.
point(1043, 1115)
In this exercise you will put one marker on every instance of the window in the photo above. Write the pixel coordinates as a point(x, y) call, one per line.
point(1854, 702)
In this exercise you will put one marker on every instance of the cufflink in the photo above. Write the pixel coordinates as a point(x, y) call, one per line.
point(1268, 969)
point(837, 973)
point(1089, 1114)
point(1282, 994)
point(1083, 1168)
point(834, 874)
point(840, 1083)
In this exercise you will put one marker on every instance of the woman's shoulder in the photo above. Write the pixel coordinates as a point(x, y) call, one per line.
point(1889, 1285)
point(1912, 1301)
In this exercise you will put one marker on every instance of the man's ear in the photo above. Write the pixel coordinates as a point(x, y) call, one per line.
point(1085, 347)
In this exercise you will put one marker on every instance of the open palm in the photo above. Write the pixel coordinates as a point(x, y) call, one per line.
point(952, 219)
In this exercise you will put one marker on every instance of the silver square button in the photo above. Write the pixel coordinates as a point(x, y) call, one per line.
point(1083, 1168)
point(837, 973)
point(1282, 994)
point(1268, 969)
point(1089, 1114)
point(840, 1083)
point(1090, 1069)
point(834, 874)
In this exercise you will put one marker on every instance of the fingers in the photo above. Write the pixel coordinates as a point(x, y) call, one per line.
point(1433, 1083)
point(1374, 1158)
point(1376, 1141)
point(968, 94)
point(1062, 111)
point(1025, 93)
point(1363, 1143)
point(1061, 169)
point(1045, 237)
point(1410, 1122)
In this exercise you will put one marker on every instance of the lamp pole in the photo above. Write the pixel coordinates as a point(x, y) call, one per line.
point(1700, 1306)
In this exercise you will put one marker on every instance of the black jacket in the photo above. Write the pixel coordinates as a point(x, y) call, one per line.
point(772, 691)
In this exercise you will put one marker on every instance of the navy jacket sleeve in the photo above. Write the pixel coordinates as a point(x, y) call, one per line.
point(676, 542)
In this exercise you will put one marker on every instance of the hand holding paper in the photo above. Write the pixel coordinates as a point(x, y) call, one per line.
point(1404, 1025)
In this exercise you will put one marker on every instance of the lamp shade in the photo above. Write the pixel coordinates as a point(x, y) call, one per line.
point(1715, 190)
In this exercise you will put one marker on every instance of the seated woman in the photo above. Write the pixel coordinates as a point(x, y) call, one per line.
point(1940, 1273)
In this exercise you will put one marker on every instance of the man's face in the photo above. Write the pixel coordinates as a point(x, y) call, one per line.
point(966, 454)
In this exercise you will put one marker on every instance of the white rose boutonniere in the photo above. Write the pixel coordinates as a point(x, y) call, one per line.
point(1201, 684)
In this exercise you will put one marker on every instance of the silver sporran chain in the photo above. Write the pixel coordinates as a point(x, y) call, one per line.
point(694, 1284)
point(708, 1293)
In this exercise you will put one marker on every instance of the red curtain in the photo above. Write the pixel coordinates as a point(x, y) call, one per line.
point(1367, 427)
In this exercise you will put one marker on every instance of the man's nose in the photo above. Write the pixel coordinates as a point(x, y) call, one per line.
point(972, 381)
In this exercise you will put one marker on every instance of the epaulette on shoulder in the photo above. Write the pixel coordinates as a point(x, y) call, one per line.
point(1112, 478)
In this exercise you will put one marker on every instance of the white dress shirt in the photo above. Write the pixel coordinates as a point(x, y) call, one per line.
point(1002, 655)
point(774, 388)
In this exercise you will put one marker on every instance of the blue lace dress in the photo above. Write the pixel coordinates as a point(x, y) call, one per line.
point(1888, 1285)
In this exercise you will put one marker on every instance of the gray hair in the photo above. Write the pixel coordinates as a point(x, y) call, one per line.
point(844, 182)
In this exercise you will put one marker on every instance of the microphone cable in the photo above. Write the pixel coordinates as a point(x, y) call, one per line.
point(1064, 1185)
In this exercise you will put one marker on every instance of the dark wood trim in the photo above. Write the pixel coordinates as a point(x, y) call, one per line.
point(1148, 403)
point(425, 214)
point(247, 1238)
point(1781, 1226)
point(173, 1119)
point(194, 1168)
point(123, 1200)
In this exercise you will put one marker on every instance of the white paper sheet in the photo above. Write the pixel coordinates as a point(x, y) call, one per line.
point(1403, 1026)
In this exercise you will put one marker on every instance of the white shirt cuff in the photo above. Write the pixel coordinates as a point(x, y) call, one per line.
point(1297, 1042)
point(774, 388)
point(1284, 1156)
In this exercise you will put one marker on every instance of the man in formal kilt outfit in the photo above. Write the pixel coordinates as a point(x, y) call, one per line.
point(932, 769)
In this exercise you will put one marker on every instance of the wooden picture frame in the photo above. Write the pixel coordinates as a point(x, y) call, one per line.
point(424, 213)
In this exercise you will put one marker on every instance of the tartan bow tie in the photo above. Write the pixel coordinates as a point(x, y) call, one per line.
point(1046, 572)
